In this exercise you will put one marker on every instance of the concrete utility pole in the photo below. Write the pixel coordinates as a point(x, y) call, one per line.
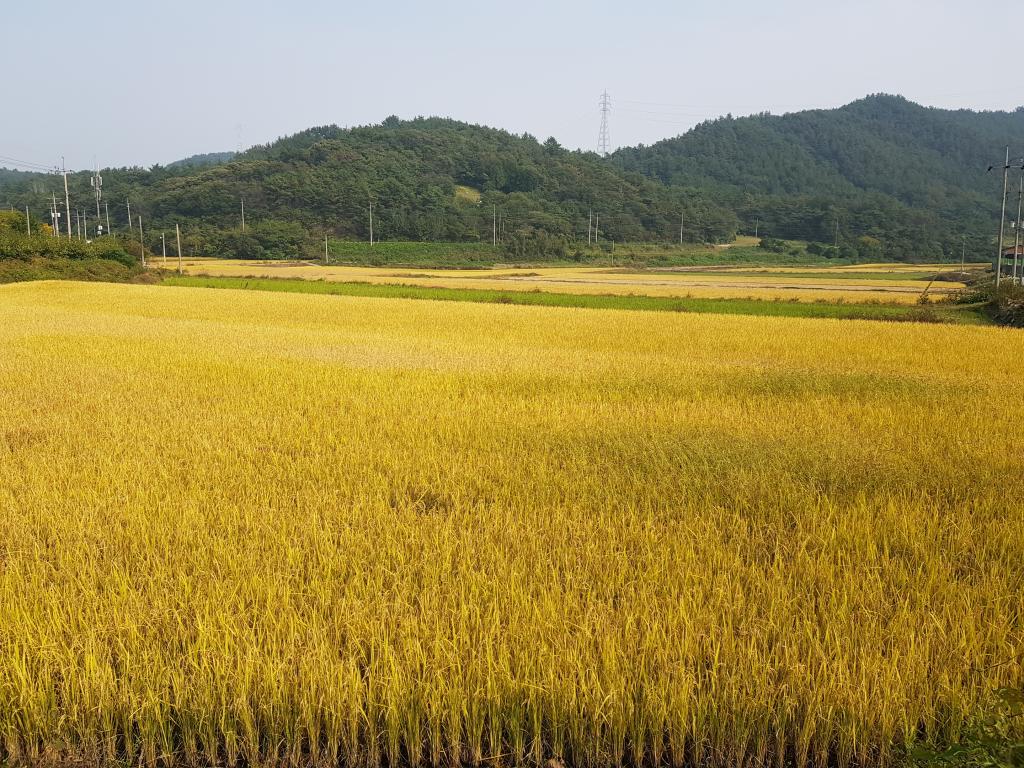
point(243, 215)
point(590, 226)
point(78, 223)
point(597, 229)
point(327, 253)
point(494, 225)
point(177, 233)
point(55, 217)
point(163, 247)
point(142, 243)
point(106, 208)
point(1002, 218)
point(129, 204)
point(371, 223)
point(67, 197)
point(97, 185)
point(681, 215)
point(757, 223)
point(963, 254)
point(1016, 227)
point(28, 222)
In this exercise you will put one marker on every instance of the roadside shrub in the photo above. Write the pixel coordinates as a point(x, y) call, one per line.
point(772, 244)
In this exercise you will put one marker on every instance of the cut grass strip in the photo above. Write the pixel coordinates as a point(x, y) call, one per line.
point(890, 312)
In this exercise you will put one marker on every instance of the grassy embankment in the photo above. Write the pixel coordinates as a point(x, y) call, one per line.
point(892, 312)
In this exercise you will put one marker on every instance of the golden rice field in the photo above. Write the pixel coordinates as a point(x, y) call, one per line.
point(265, 528)
point(800, 284)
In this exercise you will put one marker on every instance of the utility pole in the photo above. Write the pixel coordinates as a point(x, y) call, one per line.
point(129, 204)
point(494, 225)
point(681, 228)
point(603, 139)
point(1002, 218)
point(757, 223)
point(177, 232)
point(106, 208)
point(837, 232)
point(963, 254)
point(597, 229)
point(142, 243)
point(55, 217)
point(1016, 227)
point(78, 223)
point(163, 247)
point(371, 223)
point(243, 215)
point(590, 227)
point(327, 255)
point(85, 226)
point(97, 185)
point(28, 222)
point(67, 197)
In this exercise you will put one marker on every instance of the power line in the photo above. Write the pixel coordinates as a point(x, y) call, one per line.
point(41, 167)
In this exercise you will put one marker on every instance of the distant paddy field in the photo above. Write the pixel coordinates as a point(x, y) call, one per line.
point(870, 283)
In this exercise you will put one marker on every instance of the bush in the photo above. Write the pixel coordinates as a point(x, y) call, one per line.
point(1008, 305)
point(530, 243)
point(996, 741)
point(772, 244)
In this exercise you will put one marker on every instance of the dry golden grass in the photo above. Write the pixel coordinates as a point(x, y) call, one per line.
point(283, 528)
point(809, 286)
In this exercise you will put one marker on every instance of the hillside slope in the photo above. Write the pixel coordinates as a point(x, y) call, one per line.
point(882, 177)
point(416, 174)
point(879, 165)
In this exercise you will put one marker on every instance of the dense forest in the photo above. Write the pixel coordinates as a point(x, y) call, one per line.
point(882, 169)
point(879, 178)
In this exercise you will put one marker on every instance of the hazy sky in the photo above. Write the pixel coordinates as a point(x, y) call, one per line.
point(137, 82)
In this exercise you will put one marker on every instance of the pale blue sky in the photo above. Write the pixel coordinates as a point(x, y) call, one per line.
point(136, 82)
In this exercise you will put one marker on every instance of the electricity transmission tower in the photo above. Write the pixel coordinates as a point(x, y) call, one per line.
point(603, 141)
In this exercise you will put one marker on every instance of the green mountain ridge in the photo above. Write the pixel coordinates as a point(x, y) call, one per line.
point(891, 178)
point(881, 151)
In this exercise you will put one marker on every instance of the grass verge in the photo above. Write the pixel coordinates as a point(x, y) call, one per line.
point(891, 312)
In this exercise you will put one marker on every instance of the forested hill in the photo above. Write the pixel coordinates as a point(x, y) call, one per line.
point(901, 182)
point(881, 166)
point(206, 158)
point(427, 179)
